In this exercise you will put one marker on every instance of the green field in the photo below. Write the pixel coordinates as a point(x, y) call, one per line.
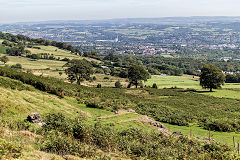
point(222, 137)
point(44, 67)
point(185, 81)
point(229, 90)
point(2, 49)
point(227, 93)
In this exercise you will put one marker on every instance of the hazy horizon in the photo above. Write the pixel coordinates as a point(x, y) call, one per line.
point(28, 10)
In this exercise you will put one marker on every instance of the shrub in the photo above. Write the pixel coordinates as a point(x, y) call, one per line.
point(118, 84)
point(99, 86)
point(57, 122)
point(56, 142)
point(154, 85)
point(17, 66)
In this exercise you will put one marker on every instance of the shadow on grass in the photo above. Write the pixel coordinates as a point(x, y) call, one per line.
point(204, 91)
point(195, 91)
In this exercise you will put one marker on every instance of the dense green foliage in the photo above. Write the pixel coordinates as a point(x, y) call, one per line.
point(154, 85)
point(42, 56)
point(161, 65)
point(63, 136)
point(15, 51)
point(233, 78)
point(9, 150)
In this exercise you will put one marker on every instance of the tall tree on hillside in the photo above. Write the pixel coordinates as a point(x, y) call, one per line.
point(4, 59)
point(78, 70)
point(211, 77)
point(136, 74)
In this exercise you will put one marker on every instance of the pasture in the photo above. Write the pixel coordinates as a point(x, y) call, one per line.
point(185, 81)
point(195, 131)
point(229, 90)
point(43, 66)
point(57, 52)
point(2, 49)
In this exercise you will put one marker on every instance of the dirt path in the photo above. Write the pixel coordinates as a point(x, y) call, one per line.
point(118, 113)
point(142, 119)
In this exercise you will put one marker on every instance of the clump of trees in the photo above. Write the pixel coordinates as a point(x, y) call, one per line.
point(15, 51)
point(7, 43)
point(42, 56)
point(233, 78)
point(211, 77)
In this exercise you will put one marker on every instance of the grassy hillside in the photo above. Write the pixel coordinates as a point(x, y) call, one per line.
point(51, 68)
point(21, 100)
point(29, 141)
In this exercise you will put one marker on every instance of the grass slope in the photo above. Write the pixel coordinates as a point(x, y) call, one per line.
point(17, 103)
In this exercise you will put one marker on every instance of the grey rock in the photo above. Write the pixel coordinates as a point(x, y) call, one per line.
point(178, 133)
point(34, 118)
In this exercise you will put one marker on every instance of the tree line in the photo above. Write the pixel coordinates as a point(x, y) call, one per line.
point(10, 39)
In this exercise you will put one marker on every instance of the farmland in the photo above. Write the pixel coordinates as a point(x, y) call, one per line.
point(229, 90)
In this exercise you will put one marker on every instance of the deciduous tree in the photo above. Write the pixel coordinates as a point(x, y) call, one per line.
point(78, 70)
point(136, 74)
point(211, 77)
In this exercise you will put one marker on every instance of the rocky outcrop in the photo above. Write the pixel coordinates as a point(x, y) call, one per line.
point(152, 122)
point(34, 118)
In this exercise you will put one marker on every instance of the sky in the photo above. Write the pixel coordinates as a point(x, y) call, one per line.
point(43, 10)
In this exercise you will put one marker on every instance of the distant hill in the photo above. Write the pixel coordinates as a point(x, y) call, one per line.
point(160, 20)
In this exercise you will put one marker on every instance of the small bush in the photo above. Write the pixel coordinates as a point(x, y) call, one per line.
point(99, 86)
point(154, 85)
point(56, 142)
point(17, 66)
point(57, 122)
point(118, 84)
